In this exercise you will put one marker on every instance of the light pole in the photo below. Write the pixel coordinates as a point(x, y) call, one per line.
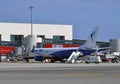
point(31, 7)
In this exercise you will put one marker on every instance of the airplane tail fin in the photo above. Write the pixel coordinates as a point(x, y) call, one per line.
point(91, 42)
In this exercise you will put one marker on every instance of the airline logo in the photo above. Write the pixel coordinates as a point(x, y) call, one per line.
point(92, 36)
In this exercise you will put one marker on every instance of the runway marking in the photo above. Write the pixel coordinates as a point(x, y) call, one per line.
point(97, 74)
point(85, 74)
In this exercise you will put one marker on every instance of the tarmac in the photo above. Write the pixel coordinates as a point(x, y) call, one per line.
point(59, 73)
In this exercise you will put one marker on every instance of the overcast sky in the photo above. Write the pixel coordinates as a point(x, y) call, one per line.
point(84, 15)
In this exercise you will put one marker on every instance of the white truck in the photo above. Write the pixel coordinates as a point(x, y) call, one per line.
point(93, 59)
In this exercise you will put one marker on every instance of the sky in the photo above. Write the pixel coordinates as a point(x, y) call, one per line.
point(83, 15)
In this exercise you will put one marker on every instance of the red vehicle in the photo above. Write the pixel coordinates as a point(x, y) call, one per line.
point(6, 49)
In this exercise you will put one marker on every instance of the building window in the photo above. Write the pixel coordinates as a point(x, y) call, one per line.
point(58, 37)
point(48, 41)
point(16, 38)
point(41, 36)
point(40, 45)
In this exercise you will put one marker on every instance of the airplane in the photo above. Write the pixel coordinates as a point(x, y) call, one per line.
point(58, 54)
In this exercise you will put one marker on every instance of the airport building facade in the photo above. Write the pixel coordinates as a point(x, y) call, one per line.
point(16, 32)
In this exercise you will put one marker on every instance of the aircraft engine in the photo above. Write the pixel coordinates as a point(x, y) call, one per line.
point(38, 58)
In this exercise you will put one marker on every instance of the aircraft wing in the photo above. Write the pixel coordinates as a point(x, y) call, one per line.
point(102, 49)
